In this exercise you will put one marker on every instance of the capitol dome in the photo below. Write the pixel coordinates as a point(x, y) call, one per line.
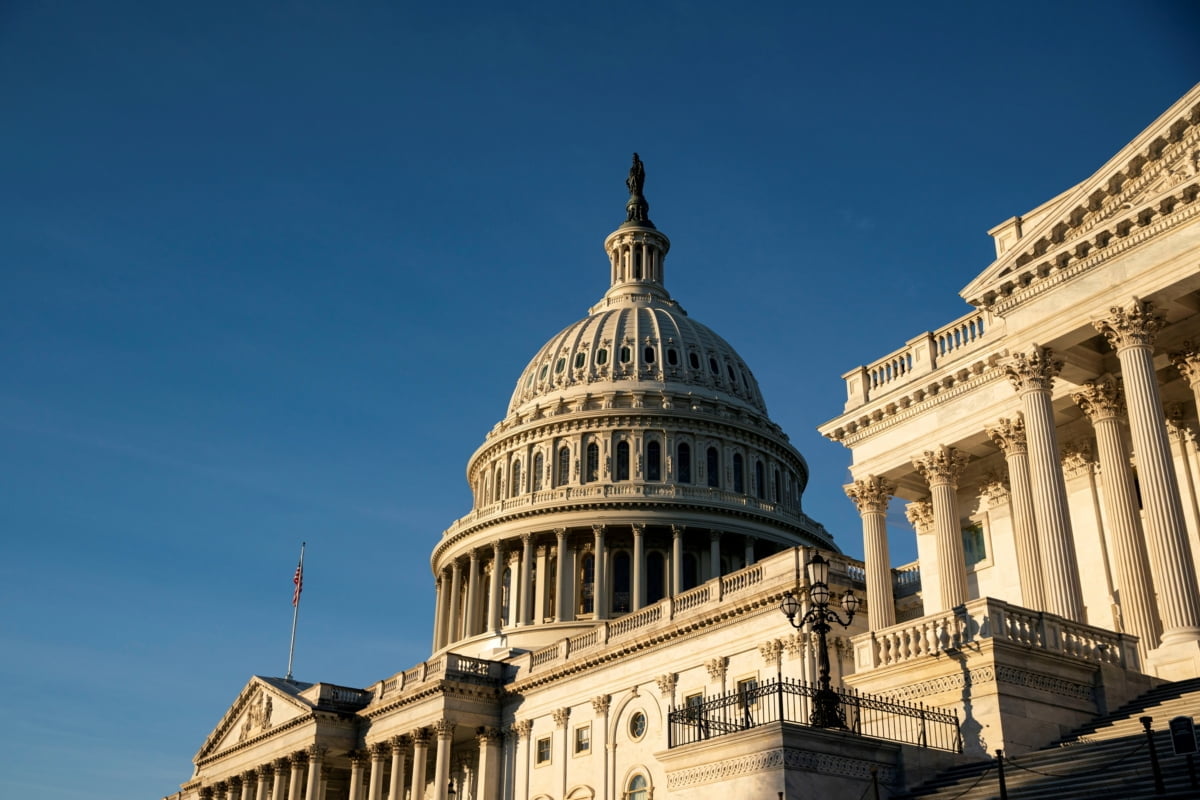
point(635, 461)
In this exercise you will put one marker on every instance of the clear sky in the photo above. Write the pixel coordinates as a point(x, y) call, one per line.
point(269, 272)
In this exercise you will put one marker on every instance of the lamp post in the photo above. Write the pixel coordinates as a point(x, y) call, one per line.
point(826, 712)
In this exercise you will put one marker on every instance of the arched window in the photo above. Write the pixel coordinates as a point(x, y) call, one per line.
point(739, 473)
point(694, 360)
point(625, 355)
point(638, 788)
point(621, 599)
point(778, 487)
point(653, 461)
point(587, 584)
point(656, 576)
point(683, 465)
point(760, 480)
point(496, 486)
point(713, 467)
point(622, 461)
point(691, 571)
point(539, 466)
point(505, 595)
point(648, 355)
point(593, 463)
point(564, 466)
point(515, 489)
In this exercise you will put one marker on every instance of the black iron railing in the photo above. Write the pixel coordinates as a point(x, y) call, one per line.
point(791, 701)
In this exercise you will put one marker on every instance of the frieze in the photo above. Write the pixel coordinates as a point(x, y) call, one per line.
point(779, 758)
point(1014, 676)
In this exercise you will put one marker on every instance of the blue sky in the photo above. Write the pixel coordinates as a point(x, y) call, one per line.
point(271, 270)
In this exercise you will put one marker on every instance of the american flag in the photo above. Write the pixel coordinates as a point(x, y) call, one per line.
point(298, 579)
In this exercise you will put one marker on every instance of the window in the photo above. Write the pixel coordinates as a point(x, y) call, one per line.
point(637, 725)
point(691, 572)
point(656, 572)
point(542, 372)
point(974, 546)
point(539, 466)
point(683, 460)
point(638, 789)
point(739, 473)
point(778, 487)
point(622, 461)
point(543, 751)
point(583, 739)
point(593, 463)
point(497, 484)
point(747, 692)
point(564, 466)
point(712, 366)
point(760, 481)
point(621, 598)
point(587, 585)
point(713, 467)
point(648, 355)
point(515, 489)
point(558, 365)
point(653, 461)
point(602, 356)
point(694, 360)
point(673, 357)
point(580, 359)
point(625, 355)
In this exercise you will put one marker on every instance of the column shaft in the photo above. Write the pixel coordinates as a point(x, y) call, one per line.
point(471, 616)
point(560, 577)
point(1009, 436)
point(420, 748)
point(941, 469)
point(600, 583)
point(441, 770)
point(714, 554)
point(493, 621)
point(526, 589)
point(871, 495)
point(676, 559)
point(454, 623)
point(639, 567)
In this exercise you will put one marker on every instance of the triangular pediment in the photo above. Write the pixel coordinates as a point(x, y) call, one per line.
point(264, 705)
point(1140, 183)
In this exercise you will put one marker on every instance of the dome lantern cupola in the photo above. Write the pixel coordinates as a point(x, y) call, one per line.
point(637, 249)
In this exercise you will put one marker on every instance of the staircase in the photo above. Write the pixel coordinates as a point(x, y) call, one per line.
point(1107, 759)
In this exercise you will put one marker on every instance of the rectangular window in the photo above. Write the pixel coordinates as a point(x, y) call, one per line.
point(583, 739)
point(974, 546)
point(543, 751)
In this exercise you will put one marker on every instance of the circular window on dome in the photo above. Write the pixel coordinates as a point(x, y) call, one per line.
point(602, 356)
point(694, 360)
point(580, 360)
point(558, 365)
point(637, 725)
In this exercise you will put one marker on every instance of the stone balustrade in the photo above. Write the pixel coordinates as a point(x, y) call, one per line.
point(448, 666)
point(978, 621)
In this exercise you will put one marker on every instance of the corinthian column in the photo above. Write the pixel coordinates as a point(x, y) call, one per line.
point(420, 739)
point(1131, 331)
point(379, 752)
point(1032, 375)
point(638, 584)
point(941, 468)
point(490, 740)
point(316, 757)
point(358, 760)
point(1102, 402)
point(1182, 440)
point(441, 770)
point(298, 760)
point(1009, 436)
point(400, 747)
point(1187, 361)
point(871, 495)
point(493, 618)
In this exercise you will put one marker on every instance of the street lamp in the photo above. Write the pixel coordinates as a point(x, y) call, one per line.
point(826, 712)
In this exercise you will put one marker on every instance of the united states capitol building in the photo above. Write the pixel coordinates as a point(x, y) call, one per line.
point(608, 617)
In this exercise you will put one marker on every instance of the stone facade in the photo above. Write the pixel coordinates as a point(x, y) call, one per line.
point(638, 519)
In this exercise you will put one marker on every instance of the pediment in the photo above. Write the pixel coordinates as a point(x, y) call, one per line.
point(1142, 182)
point(264, 705)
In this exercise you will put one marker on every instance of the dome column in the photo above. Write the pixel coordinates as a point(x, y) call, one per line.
point(541, 586)
point(526, 588)
point(454, 632)
point(748, 556)
point(714, 554)
point(639, 569)
point(599, 578)
point(1131, 332)
point(493, 620)
point(470, 622)
point(676, 559)
point(560, 576)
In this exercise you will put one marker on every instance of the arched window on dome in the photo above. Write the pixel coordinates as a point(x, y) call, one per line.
point(683, 463)
point(625, 355)
point(587, 584)
point(539, 466)
point(637, 263)
point(648, 354)
point(622, 461)
point(653, 460)
point(564, 466)
point(580, 359)
point(760, 480)
point(506, 586)
point(656, 576)
point(694, 360)
point(672, 357)
point(712, 467)
point(593, 463)
point(778, 487)
point(637, 789)
point(621, 597)
point(739, 473)
point(497, 485)
point(515, 488)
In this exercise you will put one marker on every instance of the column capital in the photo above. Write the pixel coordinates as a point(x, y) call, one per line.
point(1100, 399)
point(716, 668)
point(560, 532)
point(264, 771)
point(871, 494)
point(561, 715)
point(1077, 458)
point(401, 745)
point(941, 466)
point(771, 651)
point(487, 735)
point(282, 764)
point(474, 555)
point(316, 752)
point(298, 758)
point(526, 538)
point(714, 536)
point(677, 530)
point(235, 782)
point(379, 750)
point(598, 530)
point(522, 728)
point(542, 551)
point(995, 488)
point(445, 728)
point(1177, 429)
point(1033, 371)
point(358, 758)
point(600, 704)
point(421, 736)
point(1134, 325)
point(1187, 361)
point(666, 684)
point(1009, 436)
point(920, 515)
point(638, 528)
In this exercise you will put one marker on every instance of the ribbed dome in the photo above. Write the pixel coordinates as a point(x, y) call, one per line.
point(634, 343)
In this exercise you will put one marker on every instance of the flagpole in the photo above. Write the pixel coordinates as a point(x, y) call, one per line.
point(299, 581)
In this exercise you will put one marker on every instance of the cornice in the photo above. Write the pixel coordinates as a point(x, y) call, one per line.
point(445, 687)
